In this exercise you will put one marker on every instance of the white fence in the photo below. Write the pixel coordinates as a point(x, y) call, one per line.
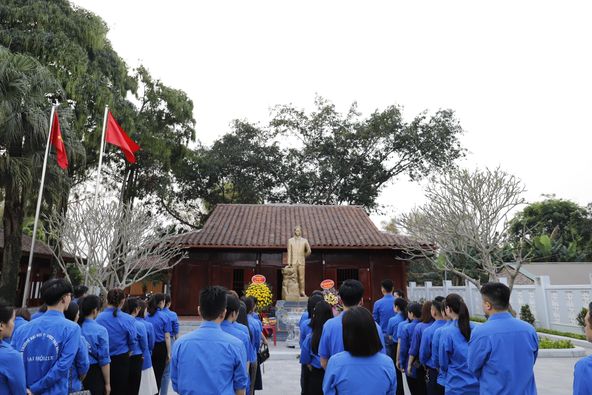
point(553, 306)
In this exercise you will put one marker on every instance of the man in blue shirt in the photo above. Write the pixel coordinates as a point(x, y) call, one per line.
point(209, 360)
point(503, 350)
point(49, 344)
point(383, 308)
point(80, 292)
point(166, 376)
point(351, 293)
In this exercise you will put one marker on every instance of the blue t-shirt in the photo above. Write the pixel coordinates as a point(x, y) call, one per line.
point(208, 361)
point(48, 345)
point(174, 321)
point(383, 311)
point(141, 346)
point(162, 325)
point(256, 331)
point(405, 333)
point(307, 356)
point(582, 377)
point(303, 318)
point(251, 354)
point(425, 348)
point(37, 315)
point(436, 352)
point(12, 371)
point(393, 325)
point(147, 363)
point(121, 330)
point(347, 375)
point(416, 338)
point(504, 347)
point(453, 361)
point(332, 337)
point(98, 342)
point(305, 329)
point(80, 366)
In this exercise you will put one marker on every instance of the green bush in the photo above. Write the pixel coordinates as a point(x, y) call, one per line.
point(526, 314)
point(478, 319)
point(559, 333)
point(581, 318)
point(545, 344)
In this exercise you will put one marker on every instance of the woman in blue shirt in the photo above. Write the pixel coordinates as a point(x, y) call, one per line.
point(97, 380)
point(148, 382)
point(405, 333)
point(81, 363)
point(361, 368)
point(583, 370)
point(309, 351)
point(392, 340)
point(454, 349)
point(123, 335)
point(426, 321)
point(132, 307)
point(12, 369)
point(161, 355)
point(306, 328)
point(426, 357)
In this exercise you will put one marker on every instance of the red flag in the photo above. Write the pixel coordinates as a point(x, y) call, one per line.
point(58, 142)
point(117, 136)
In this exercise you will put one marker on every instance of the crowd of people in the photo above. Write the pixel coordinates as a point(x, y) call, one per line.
point(131, 345)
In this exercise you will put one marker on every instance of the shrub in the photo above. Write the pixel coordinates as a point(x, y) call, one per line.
point(581, 318)
point(478, 319)
point(545, 344)
point(559, 333)
point(526, 315)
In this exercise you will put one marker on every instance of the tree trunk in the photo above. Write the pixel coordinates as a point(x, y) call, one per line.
point(12, 220)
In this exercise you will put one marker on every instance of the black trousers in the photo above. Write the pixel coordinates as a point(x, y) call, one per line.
point(432, 386)
point(94, 381)
point(159, 356)
point(420, 381)
point(393, 355)
point(119, 374)
point(303, 379)
point(315, 381)
point(135, 374)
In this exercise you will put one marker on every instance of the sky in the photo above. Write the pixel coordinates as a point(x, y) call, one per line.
point(518, 74)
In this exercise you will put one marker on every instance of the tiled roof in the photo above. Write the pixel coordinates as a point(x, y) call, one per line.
point(271, 225)
point(40, 247)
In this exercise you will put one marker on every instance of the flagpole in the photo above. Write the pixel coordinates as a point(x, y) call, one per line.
point(38, 212)
point(98, 182)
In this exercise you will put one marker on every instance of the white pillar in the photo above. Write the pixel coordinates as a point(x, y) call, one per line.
point(542, 306)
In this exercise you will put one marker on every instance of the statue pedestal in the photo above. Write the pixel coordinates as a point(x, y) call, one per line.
point(288, 313)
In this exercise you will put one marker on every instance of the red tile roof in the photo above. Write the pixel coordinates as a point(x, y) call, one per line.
point(41, 249)
point(271, 225)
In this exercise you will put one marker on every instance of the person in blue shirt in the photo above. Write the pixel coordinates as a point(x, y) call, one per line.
point(305, 329)
point(306, 315)
point(441, 379)
point(426, 357)
point(503, 350)
point(123, 336)
point(21, 317)
point(161, 354)
point(413, 363)
point(232, 311)
point(81, 362)
point(361, 368)
point(392, 340)
point(80, 292)
point(148, 382)
point(582, 384)
point(49, 344)
point(39, 312)
point(309, 351)
point(209, 360)
point(98, 378)
point(405, 333)
point(132, 307)
point(166, 376)
point(12, 369)
point(383, 307)
point(257, 337)
point(351, 293)
point(242, 322)
point(454, 347)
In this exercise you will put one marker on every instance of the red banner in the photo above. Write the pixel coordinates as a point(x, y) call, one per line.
point(327, 284)
point(258, 279)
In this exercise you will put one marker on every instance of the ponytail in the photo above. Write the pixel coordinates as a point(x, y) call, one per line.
point(114, 298)
point(87, 305)
point(153, 303)
point(457, 304)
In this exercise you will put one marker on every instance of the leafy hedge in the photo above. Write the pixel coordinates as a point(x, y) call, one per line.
point(559, 333)
point(545, 344)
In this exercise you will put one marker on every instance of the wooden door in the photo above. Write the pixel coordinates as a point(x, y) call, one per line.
point(222, 276)
point(364, 276)
point(188, 280)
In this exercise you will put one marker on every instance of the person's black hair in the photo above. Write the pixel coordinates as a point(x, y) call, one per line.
point(360, 336)
point(24, 313)
point(80, 290)
point(130, 305)
point(316, 292)
point(153, 303)
point(114, 298)
point(6, 313)
point(142, 305)
point(242, 317)
point(87, 305)
point(232, 305)
point(53, 290)
point(438, 303)
point(167, 299)
point(400, 293)
point(71, 312)
point(415, 309)
point(212, 302)
point(321, 314)
point(497, 294)
point(312, 302)
point(388, 285)
point(402, 305)
point(457, 304)
point(249, 304)
point(43, 308)
point(426, 312)
point(351, 292)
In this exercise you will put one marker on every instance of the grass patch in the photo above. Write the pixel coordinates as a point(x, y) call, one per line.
point(546, 344)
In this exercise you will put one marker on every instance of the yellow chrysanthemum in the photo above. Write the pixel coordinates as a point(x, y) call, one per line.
point(262, 293)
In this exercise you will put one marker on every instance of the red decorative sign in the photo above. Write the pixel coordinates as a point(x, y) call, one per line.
point(258, 279)
point(327, 284)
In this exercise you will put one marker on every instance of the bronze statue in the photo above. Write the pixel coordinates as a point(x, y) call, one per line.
point(298, 250)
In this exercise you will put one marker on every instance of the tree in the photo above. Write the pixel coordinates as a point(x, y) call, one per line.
point(111, 243)
point(24, 114)
point(558, 230)
point(344, 159)
point(466, 216)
